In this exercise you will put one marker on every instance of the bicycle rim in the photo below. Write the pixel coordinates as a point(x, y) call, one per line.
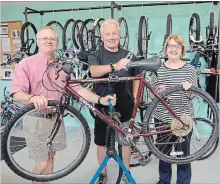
point(168, 146)
point(74, 132)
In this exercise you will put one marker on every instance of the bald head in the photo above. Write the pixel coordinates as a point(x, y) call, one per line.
point(43, 29)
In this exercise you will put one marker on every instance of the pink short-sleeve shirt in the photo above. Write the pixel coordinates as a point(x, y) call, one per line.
point(27, 78)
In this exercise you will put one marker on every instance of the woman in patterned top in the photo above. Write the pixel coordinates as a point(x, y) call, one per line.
point(174, 72)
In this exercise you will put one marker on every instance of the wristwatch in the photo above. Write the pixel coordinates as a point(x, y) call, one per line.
point(99, 100)
point(112, 67)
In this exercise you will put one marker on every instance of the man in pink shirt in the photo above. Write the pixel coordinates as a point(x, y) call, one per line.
point(27, 88)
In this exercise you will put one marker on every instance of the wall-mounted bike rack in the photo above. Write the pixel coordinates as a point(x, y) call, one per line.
point(112, 6)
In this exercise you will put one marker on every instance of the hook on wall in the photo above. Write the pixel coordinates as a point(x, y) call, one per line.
point(142, 7)
point(168, 8)
point(192, 9)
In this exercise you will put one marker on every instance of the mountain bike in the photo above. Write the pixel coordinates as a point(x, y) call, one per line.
point(174, 101)
point(7, 109)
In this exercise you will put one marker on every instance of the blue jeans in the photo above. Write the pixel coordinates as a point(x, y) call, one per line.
point(183, 172)
point(165, 169)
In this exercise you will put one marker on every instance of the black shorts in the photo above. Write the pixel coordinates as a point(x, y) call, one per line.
point(100, 126)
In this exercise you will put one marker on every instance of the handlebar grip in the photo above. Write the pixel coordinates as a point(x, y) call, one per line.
point(110, 104)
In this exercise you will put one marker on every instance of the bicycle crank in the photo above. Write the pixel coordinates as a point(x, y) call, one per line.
point(124, 140)
point(143, 160)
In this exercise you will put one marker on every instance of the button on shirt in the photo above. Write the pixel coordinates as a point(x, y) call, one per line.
point(27, 78)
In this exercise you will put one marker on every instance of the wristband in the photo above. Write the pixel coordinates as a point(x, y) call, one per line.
point(31, 97)
point(112, 67)
point(99, 100)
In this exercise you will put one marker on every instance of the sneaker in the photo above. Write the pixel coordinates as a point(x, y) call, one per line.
point(125, 178)
point(162, 182)
point(102, 179)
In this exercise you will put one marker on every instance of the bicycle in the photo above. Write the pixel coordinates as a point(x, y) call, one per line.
point(201, 125)
point(7, 109)
point(16, 58)
point(126, 133)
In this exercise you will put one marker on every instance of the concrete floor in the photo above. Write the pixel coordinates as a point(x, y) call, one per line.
point(203, 172)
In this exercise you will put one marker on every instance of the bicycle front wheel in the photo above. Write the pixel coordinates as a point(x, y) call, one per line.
point(26, 137)
point(169, 141)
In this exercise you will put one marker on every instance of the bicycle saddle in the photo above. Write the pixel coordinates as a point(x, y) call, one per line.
point(152, 64)
point(83, 56)
point(138, 58)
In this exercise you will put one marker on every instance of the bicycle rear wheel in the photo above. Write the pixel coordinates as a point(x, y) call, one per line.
point(188, 105)
point(86, 34)
point(124, 40)
point(67, 35)
point(143, 36)
point(168, 28)
point(59, 30)
point(29, 135)
point(201, 124)
point(28, 38)
point(194, 29)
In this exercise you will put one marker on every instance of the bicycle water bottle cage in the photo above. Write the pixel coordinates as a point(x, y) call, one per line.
point(113, 77)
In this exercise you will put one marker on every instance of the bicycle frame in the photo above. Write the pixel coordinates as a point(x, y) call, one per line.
point(8, 109)
point(105, 118)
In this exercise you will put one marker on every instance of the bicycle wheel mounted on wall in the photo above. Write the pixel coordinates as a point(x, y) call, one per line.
point(194, 29)
point(28, 38)
point(124, 36)
point(143, 36)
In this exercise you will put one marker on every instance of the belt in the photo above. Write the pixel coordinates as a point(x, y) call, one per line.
point(47, 116)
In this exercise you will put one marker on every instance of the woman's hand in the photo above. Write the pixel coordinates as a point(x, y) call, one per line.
point(160, 89)
point(186, 85)
point(105, 100)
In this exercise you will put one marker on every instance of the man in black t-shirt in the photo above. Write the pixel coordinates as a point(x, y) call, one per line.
point(101, 63)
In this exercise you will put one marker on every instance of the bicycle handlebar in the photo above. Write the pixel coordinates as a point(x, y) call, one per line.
point(64, 65)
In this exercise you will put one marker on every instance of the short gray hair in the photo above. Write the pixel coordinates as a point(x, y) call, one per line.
point(43, 28)
point(109, 21)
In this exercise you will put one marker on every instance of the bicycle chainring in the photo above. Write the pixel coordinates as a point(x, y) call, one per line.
point(123, 140)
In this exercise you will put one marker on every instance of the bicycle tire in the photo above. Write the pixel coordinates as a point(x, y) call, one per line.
point(211, 24)
point(213, 149)
point(58, 174)
point(69, 21)
point(126, 42)
point(142, 42)
point(76, 33)
point(205, 148)
point(54, 22)
point(197, 31)
point(81, 41)
point(25, 26)
point(93, 36)
point(138, 163)
point(169, 25)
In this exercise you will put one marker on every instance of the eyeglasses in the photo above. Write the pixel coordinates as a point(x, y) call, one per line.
point(177, 47)
point(49, 39)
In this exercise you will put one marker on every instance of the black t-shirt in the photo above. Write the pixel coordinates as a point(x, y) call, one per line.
point(123, 90)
